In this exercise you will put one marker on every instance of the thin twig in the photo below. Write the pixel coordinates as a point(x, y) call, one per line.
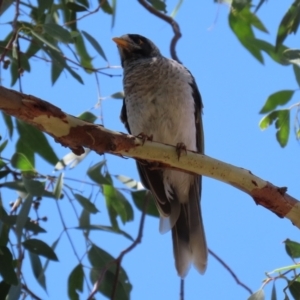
point(29, 292)
point(171, 21)
point(118, 260)
point(230, 271)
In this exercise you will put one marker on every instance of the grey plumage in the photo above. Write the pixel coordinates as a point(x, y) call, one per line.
point(162, 100)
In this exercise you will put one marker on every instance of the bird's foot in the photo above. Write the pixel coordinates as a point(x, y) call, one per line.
point(144, 137)
point(180, 147)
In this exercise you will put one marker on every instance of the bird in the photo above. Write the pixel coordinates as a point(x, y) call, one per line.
point(162, 101)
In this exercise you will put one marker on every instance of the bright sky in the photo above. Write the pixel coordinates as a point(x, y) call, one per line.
point(234, 87)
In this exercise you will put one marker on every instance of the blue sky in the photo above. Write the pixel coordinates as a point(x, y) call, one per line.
point(234, 87)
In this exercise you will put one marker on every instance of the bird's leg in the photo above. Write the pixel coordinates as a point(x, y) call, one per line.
point(144, 137)
point(180, 147)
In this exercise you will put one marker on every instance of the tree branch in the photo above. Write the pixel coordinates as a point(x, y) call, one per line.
point(76, 134)
point(171, 21)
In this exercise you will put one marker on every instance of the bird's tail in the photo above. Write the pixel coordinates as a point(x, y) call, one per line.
point(189, 243)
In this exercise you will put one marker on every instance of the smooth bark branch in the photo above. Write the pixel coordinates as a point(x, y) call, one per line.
point(77, 134)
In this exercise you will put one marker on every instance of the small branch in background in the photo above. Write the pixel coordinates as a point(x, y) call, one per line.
point(230, 271)
point(171, 21)
point(29, 292)
point(118, 260)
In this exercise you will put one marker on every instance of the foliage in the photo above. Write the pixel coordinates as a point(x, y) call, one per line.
point(49, 31)
point(243, 21)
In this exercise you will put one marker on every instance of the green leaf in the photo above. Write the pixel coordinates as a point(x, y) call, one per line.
point(105, 228)
point(116, 201)
point(241, 23)
point(23, 147)
point(46, 42)
point(273, 295)
point(84, 3)
point(297, 73)
point(58, 63)
point(289, 23)
point(23, 215)
point(15, 292)
point(100, 259)
point(75, 7)
point(58, 186)
point(118, 95)
point(292, 248)
point(282, 124)
point(114, 9)
point(176, 9)
point(34, 187)
point(9, 124)
point(29, 225)
point(84, 219)
point(95, 44)
point(74, 74)
point(44, 5)
point(277, 99)
point(85, 58)
point(75, 282)
point(88, 117)
point(40, 248)
point(259, 295)
point(276, 54)
point(294, 287)
point(3, 145)
point(86, 204)
point(19, 186)
point(7, 267)
point(58, 32)
point(159, 5)
point(4, 289)
point(37, 269)
point(139, 200)
point(20, 161)
point(94, 173)
point(292, 55)
point(106, 7)
point(38, 142)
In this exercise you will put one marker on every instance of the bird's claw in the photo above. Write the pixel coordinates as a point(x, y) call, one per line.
point(180, 147)
point(144, 137)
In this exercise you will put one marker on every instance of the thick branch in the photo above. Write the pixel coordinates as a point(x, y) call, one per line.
point(77, 134)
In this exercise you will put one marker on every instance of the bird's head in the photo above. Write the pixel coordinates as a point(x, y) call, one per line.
point(135, 47)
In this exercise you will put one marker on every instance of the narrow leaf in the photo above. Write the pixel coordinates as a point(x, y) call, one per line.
point(21, 162)
point(259, 295)
point(34, 187)
point(58, 32)
point(75, 282)
point(292, 248)
point(58, 186)
point(23, 215)
point(8, 122)
point(116, 201)
point(297, 73)
point(277, 99)
point(95, 44)
point(38, 269)
point(40, 248)
point(86, 204)
point(42, 39)
point(6, 266)
point(139, 198)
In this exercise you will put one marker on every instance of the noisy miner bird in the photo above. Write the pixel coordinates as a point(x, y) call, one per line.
point(162, 101)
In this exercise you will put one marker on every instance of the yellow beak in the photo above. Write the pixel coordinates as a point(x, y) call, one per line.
point(121, 42)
